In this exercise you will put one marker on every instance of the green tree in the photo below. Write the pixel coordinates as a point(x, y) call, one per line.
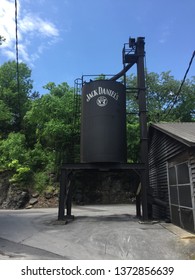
point(14, 96)
point(50, 119)
point(164, 103)
point(100, 77)
point(184, 104)
point(5, 114)
point(15, 157)
point(13, 148)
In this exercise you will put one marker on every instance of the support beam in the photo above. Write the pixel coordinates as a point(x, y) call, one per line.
point(140, 52)
point(103, 166)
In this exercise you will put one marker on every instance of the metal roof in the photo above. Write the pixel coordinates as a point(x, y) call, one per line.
point(181, 131)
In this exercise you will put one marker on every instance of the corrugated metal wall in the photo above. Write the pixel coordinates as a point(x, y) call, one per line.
point(161, 149)
point(192, 165)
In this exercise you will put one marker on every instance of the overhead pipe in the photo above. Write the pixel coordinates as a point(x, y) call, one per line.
point(122, 72)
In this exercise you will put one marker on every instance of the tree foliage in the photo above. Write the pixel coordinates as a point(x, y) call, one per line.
point(16, 90)
point(50, 119)
point(164, 103)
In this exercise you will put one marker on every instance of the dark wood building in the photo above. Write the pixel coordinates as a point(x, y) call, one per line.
point(172, 173)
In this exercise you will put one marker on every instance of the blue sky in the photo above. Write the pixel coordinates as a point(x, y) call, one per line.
point(62, 39)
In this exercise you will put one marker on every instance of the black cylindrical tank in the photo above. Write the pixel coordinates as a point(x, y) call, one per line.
point(103, 122)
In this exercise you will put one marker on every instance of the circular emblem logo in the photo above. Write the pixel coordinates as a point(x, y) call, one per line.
point(102, 101)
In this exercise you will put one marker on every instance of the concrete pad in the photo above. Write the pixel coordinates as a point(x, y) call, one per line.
point(97, 232)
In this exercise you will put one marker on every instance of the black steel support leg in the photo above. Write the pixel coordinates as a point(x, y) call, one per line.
point(68, 202)
point(138, 206)
point(62, 197)
point(69, 198)
point(144, 183)
point(143, 124)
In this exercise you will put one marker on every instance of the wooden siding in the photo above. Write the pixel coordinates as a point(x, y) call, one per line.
point(161, 149)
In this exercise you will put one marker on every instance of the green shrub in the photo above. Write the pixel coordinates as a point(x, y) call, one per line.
point(23, 175)
point(41, 180)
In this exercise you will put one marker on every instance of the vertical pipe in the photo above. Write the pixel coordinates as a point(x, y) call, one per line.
point(143, 123)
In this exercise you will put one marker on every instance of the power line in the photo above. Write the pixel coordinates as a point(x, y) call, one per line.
point(17, 59)
point(181, 85)
point(17, 52)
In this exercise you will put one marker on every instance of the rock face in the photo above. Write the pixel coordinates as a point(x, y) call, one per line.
point(14, 197)
point(10, 195)
point(33, 201)
point(4, 186)
point(104, 187)
point(88, 188)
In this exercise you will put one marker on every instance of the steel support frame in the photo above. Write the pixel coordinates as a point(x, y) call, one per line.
point(67, 170)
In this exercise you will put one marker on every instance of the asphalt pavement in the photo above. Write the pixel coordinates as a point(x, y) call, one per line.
point(97, 232)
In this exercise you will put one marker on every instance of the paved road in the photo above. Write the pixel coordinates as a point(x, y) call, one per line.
point(98, 232)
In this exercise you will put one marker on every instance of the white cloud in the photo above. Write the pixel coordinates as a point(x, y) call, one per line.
point(34, 32)
point(36, 25)
point(9, 54)
point(7, 26)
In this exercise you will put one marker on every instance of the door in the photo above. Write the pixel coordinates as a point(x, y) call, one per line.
point(180, 196)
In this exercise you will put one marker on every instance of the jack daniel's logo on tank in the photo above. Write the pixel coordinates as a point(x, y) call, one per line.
point(102, 99)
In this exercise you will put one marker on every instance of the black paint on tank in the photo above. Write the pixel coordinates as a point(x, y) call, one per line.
point(103, 122)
